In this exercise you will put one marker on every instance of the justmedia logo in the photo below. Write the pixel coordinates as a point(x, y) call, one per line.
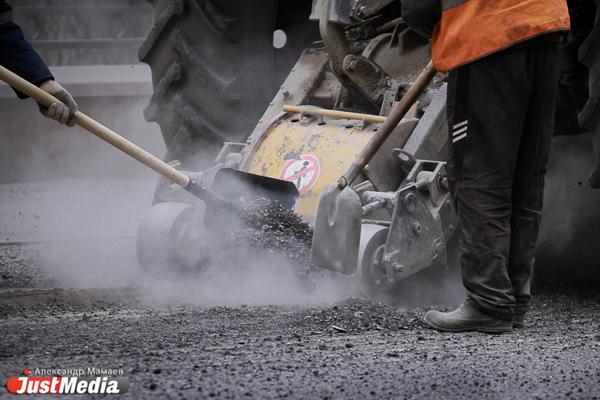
point(87, 384)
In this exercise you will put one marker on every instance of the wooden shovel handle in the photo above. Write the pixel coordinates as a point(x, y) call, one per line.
point(322, 112)
point(96, 128)
point(388, 126)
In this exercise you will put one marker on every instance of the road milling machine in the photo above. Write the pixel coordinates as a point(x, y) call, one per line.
point(293, 90)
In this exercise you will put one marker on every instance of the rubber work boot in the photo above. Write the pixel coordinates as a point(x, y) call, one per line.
point(464, 319)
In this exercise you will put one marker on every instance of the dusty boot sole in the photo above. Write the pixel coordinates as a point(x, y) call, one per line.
point(504, 328)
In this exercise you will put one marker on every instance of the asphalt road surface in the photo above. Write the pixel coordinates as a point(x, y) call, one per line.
point(353, 349)
point(69, 299)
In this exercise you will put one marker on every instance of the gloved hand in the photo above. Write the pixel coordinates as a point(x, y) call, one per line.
point(62, 113)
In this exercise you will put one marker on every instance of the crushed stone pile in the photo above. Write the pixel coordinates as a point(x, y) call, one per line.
point(271, 226)
point(356, 315)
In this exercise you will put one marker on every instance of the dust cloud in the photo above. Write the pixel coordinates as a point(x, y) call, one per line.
point(77, 204)
point(81, 202)
point(249, 278)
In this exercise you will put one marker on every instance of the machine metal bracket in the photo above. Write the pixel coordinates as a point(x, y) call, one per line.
point(229, 148)
point(415, 239)
point(429, 177)
point(406, 160)
point(347, 11)
point(423, 219)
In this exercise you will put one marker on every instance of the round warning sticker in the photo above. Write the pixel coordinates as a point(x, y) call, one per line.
point(303, 172)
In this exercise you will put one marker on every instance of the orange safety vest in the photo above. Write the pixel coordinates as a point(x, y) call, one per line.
point(472, 29)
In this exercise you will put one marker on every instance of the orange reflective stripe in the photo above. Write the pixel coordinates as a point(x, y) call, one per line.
point(472, 29)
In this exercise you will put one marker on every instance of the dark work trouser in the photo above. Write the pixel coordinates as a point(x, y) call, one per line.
point(501, 119)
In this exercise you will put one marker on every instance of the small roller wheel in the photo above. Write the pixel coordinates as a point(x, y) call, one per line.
point(169, 241)
point(372, 271)
point(436, 285)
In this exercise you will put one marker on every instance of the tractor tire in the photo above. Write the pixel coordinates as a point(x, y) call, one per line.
point(589, 117)
point(215, 70)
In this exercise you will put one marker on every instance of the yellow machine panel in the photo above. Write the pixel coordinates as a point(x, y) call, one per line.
point(312, 153)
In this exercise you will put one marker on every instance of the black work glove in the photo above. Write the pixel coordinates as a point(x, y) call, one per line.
point(63, 112)
point(422, 15)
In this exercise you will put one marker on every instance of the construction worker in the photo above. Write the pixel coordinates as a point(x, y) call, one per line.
point(502, 86)
point(17, 55)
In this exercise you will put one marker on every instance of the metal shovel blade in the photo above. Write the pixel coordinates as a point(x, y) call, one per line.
point(337, 230)
point(231, 190)
point(238, 186)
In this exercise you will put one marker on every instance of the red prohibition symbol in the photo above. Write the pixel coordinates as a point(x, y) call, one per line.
point(303, 172)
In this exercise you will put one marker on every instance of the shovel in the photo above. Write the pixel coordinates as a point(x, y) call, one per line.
point(336, 237)
point(228, 187)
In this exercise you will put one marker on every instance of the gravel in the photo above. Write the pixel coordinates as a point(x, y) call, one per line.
point(273, 227)
point(18, 268)
point(357, 315)
point(354, 349)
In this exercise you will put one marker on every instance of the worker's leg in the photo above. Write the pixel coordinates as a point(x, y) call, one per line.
point(487, 106)
point(528, 186)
